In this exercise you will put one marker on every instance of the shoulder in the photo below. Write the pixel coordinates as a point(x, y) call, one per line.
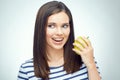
point(27, 63)
point(26, 69)
point(27, 66)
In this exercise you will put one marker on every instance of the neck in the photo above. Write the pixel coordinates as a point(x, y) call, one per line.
point(55, 57)
point(54, 54)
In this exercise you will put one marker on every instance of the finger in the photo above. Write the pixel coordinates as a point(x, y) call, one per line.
point(76, 51)
point(78, 43)
point(78, 46)
point(87, 41)
point(82, 42)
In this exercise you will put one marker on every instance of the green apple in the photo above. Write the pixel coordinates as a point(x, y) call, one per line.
point(75, 47)
point(77, 42)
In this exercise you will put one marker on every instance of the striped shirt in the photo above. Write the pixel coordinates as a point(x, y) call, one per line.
point(26, 72)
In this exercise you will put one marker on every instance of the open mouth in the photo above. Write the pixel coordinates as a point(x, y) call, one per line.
point(57, 39)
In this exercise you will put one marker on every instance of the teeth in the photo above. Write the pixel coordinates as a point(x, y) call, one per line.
point(58, 39)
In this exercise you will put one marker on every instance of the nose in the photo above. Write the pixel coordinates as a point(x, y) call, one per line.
point(59, 31)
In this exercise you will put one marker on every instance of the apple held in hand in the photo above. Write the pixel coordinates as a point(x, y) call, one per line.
point(80, 43)
point(83, 47)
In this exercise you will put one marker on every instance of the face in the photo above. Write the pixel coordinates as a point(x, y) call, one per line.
point(57, 30)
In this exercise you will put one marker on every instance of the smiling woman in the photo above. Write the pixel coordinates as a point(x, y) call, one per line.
point(53, 55)
point(57, 31)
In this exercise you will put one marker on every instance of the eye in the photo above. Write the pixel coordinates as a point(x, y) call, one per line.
point(65, 26)
point(51, 26)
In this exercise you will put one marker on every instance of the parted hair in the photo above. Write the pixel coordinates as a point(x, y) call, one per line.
point(72, 61)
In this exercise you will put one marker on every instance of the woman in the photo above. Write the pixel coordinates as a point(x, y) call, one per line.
point(54, 55)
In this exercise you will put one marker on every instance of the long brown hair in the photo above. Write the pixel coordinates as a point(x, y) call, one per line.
point(72, 60)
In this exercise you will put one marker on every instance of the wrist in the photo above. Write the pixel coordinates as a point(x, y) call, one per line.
point(91, 66)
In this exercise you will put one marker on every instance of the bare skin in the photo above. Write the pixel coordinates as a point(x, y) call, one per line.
point(85, 50)
point(57, 32)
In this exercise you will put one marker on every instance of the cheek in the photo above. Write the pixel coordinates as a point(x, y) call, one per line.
point(49, 34)
point(68, 32)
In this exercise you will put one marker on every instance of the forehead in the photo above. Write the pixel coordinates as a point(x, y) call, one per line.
point(60, 17)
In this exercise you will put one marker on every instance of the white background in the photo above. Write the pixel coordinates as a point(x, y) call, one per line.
point(98, 19)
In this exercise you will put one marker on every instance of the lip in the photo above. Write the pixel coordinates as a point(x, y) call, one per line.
point(58, 41)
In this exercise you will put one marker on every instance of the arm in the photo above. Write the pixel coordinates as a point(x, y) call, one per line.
point(93, 73)
point(85, 50)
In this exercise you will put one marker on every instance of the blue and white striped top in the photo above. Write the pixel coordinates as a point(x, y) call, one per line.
point(26, 72)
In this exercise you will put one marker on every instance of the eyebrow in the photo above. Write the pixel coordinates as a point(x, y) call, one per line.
point(52, 23)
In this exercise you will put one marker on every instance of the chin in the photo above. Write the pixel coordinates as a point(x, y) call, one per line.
point(58, 47)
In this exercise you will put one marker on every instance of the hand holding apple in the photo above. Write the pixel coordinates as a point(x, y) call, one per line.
point(83, 47)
